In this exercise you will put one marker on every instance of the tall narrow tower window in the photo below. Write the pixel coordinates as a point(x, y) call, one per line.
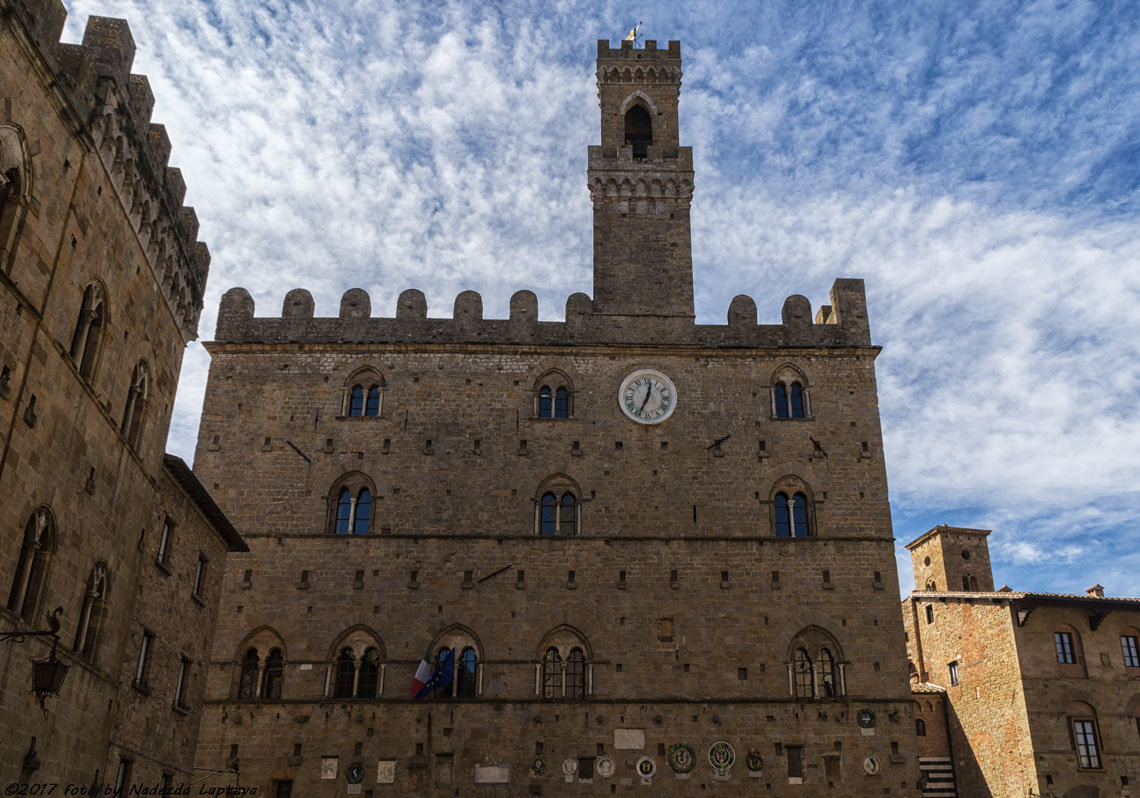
point(638, 131)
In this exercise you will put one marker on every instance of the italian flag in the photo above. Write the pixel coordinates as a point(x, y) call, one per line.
point(423, 673)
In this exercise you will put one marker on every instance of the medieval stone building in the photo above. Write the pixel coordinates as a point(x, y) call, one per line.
point(659, 554)
point(1024, 693)
point(101, 281)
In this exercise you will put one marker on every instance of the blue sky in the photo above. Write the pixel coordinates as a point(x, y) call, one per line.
point(977, 163)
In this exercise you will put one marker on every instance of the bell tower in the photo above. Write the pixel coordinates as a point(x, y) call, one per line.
point(641, 185)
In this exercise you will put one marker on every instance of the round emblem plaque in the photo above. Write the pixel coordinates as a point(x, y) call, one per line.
point(721, 756)
point(753, 761)
point(646, 767)
point(866, 718)
point(569, 767)
point(538, 764)
point(605, 767)
point(354, 774)
point(871, 765)
point(682, 757)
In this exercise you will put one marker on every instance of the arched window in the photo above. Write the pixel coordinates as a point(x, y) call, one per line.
point(343, 511)
point(134, 413)
point(345, 680)
point(576, 674)
point(1085, 734)
point(790, 515)
point(804, 674)
point(552, 674)
point(827, 680)
point(363, 394)
point(30, 579)
point(369, 679)
point(467, 677)
point(89, 633)
point(638, 131)
point(350, 505)
point(789, 393)
point(553, 395)
point(563, 671)
point(466, 674)
point(965, 583)
point(549, 517)
point(274, 675)
point(10, 190)
point(781, 400)
point(920, 727)
point(557, 507)
point(88, 330)
point(1069, 651)
point(815, 665)
point(250, 674)
point(796, 396)
point(363, 512)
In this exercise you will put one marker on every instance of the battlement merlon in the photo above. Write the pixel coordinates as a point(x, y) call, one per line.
point(112, 107)
point(843, 324)
point(626, 51)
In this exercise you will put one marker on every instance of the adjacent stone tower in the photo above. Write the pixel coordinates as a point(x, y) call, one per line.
point(641, 184)
point(952, 558)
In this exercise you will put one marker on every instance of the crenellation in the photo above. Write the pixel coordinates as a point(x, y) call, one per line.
point(112, 48)
point(626, 51)
point(583, 323)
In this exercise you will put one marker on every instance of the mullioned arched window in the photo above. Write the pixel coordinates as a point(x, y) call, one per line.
point(351, 505)
point(29, 581)
point(815, 665)
point(89, 328)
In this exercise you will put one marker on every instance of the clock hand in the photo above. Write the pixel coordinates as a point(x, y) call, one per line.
point(648, 389)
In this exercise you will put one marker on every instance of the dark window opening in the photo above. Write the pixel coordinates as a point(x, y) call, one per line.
point(781, 400)
point(639, 131)
point(920, 727)
point(797, 400)
point(804, 674)
point(247, 682)
point(795, 762)
point(274, 675)
point(345, 675)
point(466, 673)
point(356, 402)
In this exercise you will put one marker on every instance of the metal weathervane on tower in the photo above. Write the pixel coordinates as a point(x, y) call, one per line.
point(632, 35)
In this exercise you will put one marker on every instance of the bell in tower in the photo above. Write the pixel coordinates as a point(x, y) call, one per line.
point(641, 186)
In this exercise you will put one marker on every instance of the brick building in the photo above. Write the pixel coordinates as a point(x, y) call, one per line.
point(1041, 691)
point(660, 552)
point(101, 280)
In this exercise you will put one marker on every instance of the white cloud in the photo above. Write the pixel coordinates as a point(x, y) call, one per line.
point(980, 180)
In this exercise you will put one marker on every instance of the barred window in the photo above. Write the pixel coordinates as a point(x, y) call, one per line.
point(466, 676)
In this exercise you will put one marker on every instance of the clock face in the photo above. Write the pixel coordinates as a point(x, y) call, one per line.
point(647, 396)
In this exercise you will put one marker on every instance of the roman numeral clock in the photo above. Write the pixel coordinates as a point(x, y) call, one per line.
point(647, 396)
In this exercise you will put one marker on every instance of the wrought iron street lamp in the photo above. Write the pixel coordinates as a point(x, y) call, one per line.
point(47, 673)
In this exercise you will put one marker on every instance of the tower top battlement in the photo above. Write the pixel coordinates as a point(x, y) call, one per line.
point(112, 107)
point(626, 51)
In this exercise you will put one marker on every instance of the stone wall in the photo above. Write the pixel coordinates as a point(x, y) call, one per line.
point(93, 212)
point(151, 729)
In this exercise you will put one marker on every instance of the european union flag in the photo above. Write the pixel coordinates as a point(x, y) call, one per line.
point(442, 676)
